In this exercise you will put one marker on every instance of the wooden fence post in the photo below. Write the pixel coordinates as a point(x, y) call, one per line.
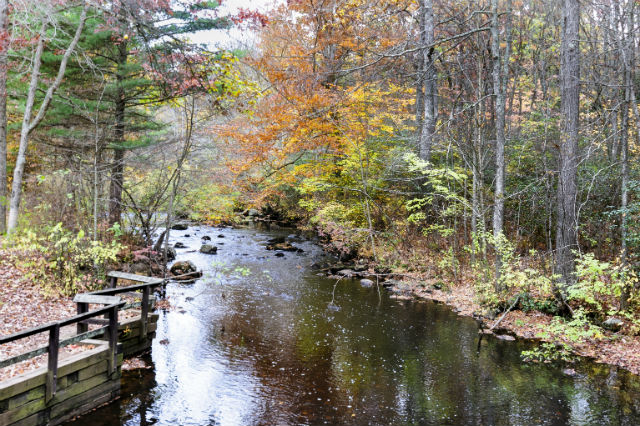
point(52, 371)
point(144, 315)
point(113, 339)
point(81, 309)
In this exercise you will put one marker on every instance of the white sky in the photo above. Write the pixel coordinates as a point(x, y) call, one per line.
point(234, 37)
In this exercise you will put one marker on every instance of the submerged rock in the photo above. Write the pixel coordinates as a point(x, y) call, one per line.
point(206, 238)
point(208, 249)
point(284, 246)
point(366, 283)
point(347, 273)
point(179, 245)
point(180, 226)
point(505, 337)
point(276, 240)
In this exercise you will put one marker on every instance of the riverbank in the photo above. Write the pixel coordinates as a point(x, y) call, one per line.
point(604, 347)
point(568, 339)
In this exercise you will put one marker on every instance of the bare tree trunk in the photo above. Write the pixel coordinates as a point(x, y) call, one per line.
point(29, 124)
point(429, 77)
point(566, 226)
point(626, 50)
point(500, 76)
point(4, 66)
point(420, 80)
point(117, 169)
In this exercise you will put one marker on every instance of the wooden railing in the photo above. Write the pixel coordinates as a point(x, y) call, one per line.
point(83, 319)
point(111, 311)
point(149, 283)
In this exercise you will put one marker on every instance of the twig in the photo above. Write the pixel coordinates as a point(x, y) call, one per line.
point(505, 313)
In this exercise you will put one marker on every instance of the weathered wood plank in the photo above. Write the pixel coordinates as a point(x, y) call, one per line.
point(32, 379)
point(96, 299)
point(133, 277)
point(84, 403)
point(25, 397)
point(33, 407)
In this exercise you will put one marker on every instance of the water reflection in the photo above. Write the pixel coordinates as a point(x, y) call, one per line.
point(266, 349)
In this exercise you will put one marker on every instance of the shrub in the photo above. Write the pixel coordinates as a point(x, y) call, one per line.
point(63, 261)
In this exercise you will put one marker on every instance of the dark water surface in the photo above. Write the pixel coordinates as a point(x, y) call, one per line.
point(264, 345)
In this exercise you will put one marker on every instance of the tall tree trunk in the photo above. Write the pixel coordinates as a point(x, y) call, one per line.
point(626, 50)
point(29, 124)
point(500, 76)
point(420, 79)
point(117, 169)
point(429, 77)
point(4, 66)
point(566, 226)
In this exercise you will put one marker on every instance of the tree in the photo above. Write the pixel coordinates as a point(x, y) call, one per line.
point(428, 128)
point(500, 76)
point(174, 68)
point(4, 67)
point(567, 226)
point(29, 122)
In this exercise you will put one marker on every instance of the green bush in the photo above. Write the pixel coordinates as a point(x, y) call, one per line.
point(63, 261)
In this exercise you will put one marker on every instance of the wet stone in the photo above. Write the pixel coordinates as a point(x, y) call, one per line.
point(208, 249)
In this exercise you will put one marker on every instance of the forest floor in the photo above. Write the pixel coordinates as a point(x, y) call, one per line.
point(606, 347)
point(22, 306)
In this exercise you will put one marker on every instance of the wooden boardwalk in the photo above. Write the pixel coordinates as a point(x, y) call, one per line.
point(61, 390)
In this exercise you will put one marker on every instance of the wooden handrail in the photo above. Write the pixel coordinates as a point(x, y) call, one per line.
point(54, 343)
point(46, 327)
point(81, 319)
point(148, 284)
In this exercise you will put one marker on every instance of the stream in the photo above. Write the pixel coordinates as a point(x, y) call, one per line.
point(258, 341)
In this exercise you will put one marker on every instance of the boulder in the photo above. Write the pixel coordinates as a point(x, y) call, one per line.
point(208, 249)
point(179, 245)
point(280, 254)
point(366, 283)
point(171, 253)
point(180, 226)
point(186, 270)
point(220, 235)
point(141, 268)
point(613, 324)
point(206, 238)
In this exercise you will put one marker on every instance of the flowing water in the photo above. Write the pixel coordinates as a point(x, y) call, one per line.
point(264, 340)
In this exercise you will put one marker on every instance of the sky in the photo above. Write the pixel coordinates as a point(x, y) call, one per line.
point(234, 37)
